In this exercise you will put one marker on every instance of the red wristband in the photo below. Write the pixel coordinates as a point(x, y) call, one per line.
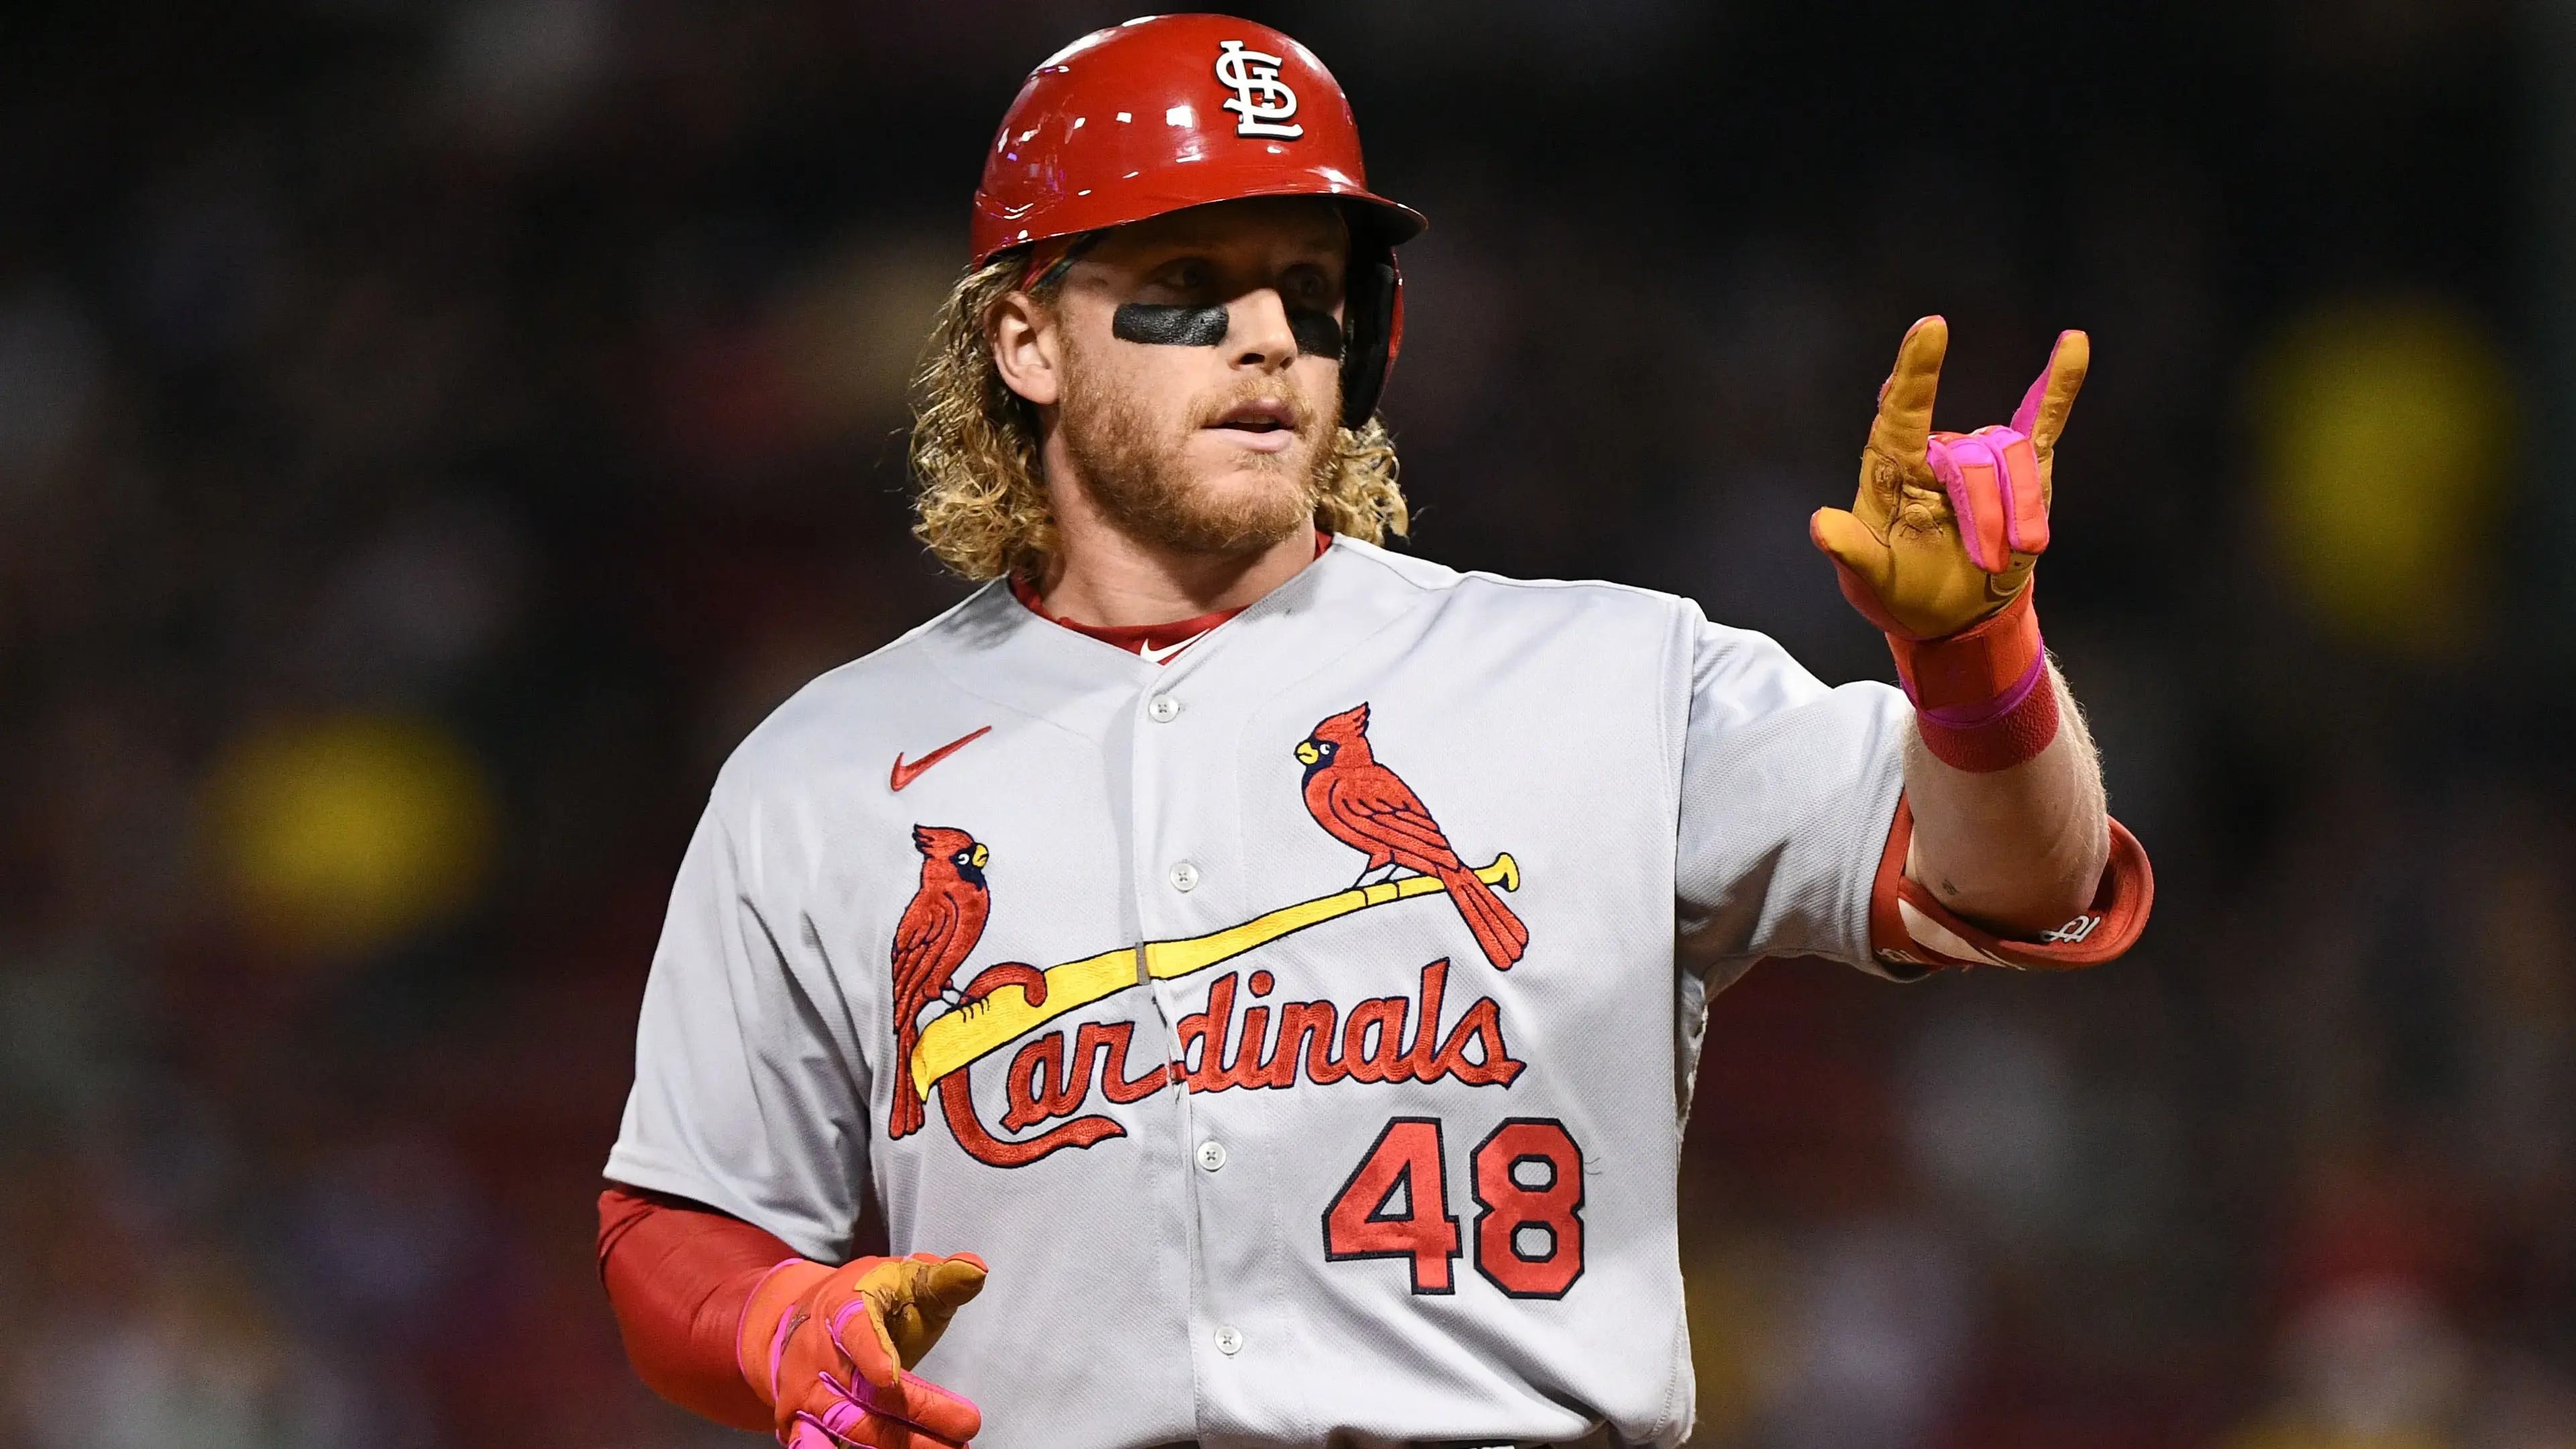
point(1982, 697)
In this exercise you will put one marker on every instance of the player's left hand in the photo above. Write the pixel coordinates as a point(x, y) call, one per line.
point(828, 1350)
point(1947, 525)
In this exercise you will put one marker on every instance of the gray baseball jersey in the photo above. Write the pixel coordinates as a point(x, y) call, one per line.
point(1301, 1029)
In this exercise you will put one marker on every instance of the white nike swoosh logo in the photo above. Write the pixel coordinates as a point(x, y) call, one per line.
point(1157, 656)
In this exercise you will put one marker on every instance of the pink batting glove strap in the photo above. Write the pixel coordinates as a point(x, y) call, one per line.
point(862, 1413)
point(1992, 479)
point(2025, 496)
point(844, 1415)
point(1968, 471)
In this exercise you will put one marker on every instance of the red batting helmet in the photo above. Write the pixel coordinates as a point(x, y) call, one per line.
point(1175, 111)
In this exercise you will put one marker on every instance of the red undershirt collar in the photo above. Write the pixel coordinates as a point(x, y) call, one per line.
point(1157, 642)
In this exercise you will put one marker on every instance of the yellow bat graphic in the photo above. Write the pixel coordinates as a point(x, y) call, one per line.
point(981, 1028)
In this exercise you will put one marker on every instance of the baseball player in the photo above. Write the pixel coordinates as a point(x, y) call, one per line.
point(1280, 963)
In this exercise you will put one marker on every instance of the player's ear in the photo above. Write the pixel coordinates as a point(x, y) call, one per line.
point(1027, 348)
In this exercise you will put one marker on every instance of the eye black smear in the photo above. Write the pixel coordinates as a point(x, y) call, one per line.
point(1169, 326)
point(1317, 334)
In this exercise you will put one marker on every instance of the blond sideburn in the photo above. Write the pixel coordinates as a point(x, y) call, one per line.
point(982, 505)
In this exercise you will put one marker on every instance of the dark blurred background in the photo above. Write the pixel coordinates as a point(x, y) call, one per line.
point(432, 434)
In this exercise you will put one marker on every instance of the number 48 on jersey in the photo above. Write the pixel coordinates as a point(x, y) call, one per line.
point(1527, 1181)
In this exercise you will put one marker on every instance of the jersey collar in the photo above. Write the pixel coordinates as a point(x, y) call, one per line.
point(1154, 643)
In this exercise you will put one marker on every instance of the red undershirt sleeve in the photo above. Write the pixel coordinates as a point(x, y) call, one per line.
point(678, 1277)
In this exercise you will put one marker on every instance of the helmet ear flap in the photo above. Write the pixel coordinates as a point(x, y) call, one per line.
point(1372, 326)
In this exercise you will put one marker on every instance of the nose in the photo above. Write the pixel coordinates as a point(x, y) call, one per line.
point(1259, 335)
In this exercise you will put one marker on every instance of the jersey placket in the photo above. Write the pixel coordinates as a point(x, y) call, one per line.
point(1188, 872)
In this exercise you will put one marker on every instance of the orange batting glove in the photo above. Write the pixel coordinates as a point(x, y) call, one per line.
point(1947, 525)
point(828, 1348)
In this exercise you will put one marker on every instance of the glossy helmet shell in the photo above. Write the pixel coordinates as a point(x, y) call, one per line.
point(1175, 111)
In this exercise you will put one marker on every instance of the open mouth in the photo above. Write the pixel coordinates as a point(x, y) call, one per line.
point(1259, 425)
point(1264, 422)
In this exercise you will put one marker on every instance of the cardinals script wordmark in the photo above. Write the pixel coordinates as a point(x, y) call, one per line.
point(1227, 1044)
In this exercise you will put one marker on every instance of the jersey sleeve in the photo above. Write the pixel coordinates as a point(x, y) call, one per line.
point(1912, 933)
point(1787, 788)
point(749, 1086)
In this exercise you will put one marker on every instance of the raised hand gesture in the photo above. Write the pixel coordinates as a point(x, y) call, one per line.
point(1947, 525)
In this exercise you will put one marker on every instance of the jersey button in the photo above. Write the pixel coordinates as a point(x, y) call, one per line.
point(1228, 1341)
point(1185, 877)
point(1211, 1154)
point(1162, 709)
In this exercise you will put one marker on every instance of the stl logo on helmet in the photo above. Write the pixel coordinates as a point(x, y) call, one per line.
point(1261, 98)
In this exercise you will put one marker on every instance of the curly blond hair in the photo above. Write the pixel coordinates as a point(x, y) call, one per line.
point(982, 505)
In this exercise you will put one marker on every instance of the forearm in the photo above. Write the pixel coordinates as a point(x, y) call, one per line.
point(678, 1277)
point(2017, 850)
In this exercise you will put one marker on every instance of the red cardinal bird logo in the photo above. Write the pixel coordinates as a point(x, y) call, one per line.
point(943, 923)
point(1364, 805)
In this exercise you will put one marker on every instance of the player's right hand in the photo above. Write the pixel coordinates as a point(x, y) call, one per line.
point(828, 1348)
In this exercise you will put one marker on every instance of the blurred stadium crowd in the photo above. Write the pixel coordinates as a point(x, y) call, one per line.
point(432, 433)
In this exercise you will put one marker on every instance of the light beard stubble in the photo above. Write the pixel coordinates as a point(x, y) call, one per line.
point(1141, 482)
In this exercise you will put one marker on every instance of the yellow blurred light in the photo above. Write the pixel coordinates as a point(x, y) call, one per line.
point(335, 836)
point(1734, 1292)
point(2385, 430)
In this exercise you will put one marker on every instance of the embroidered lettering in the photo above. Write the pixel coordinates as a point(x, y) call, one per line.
point(1221, 1048)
